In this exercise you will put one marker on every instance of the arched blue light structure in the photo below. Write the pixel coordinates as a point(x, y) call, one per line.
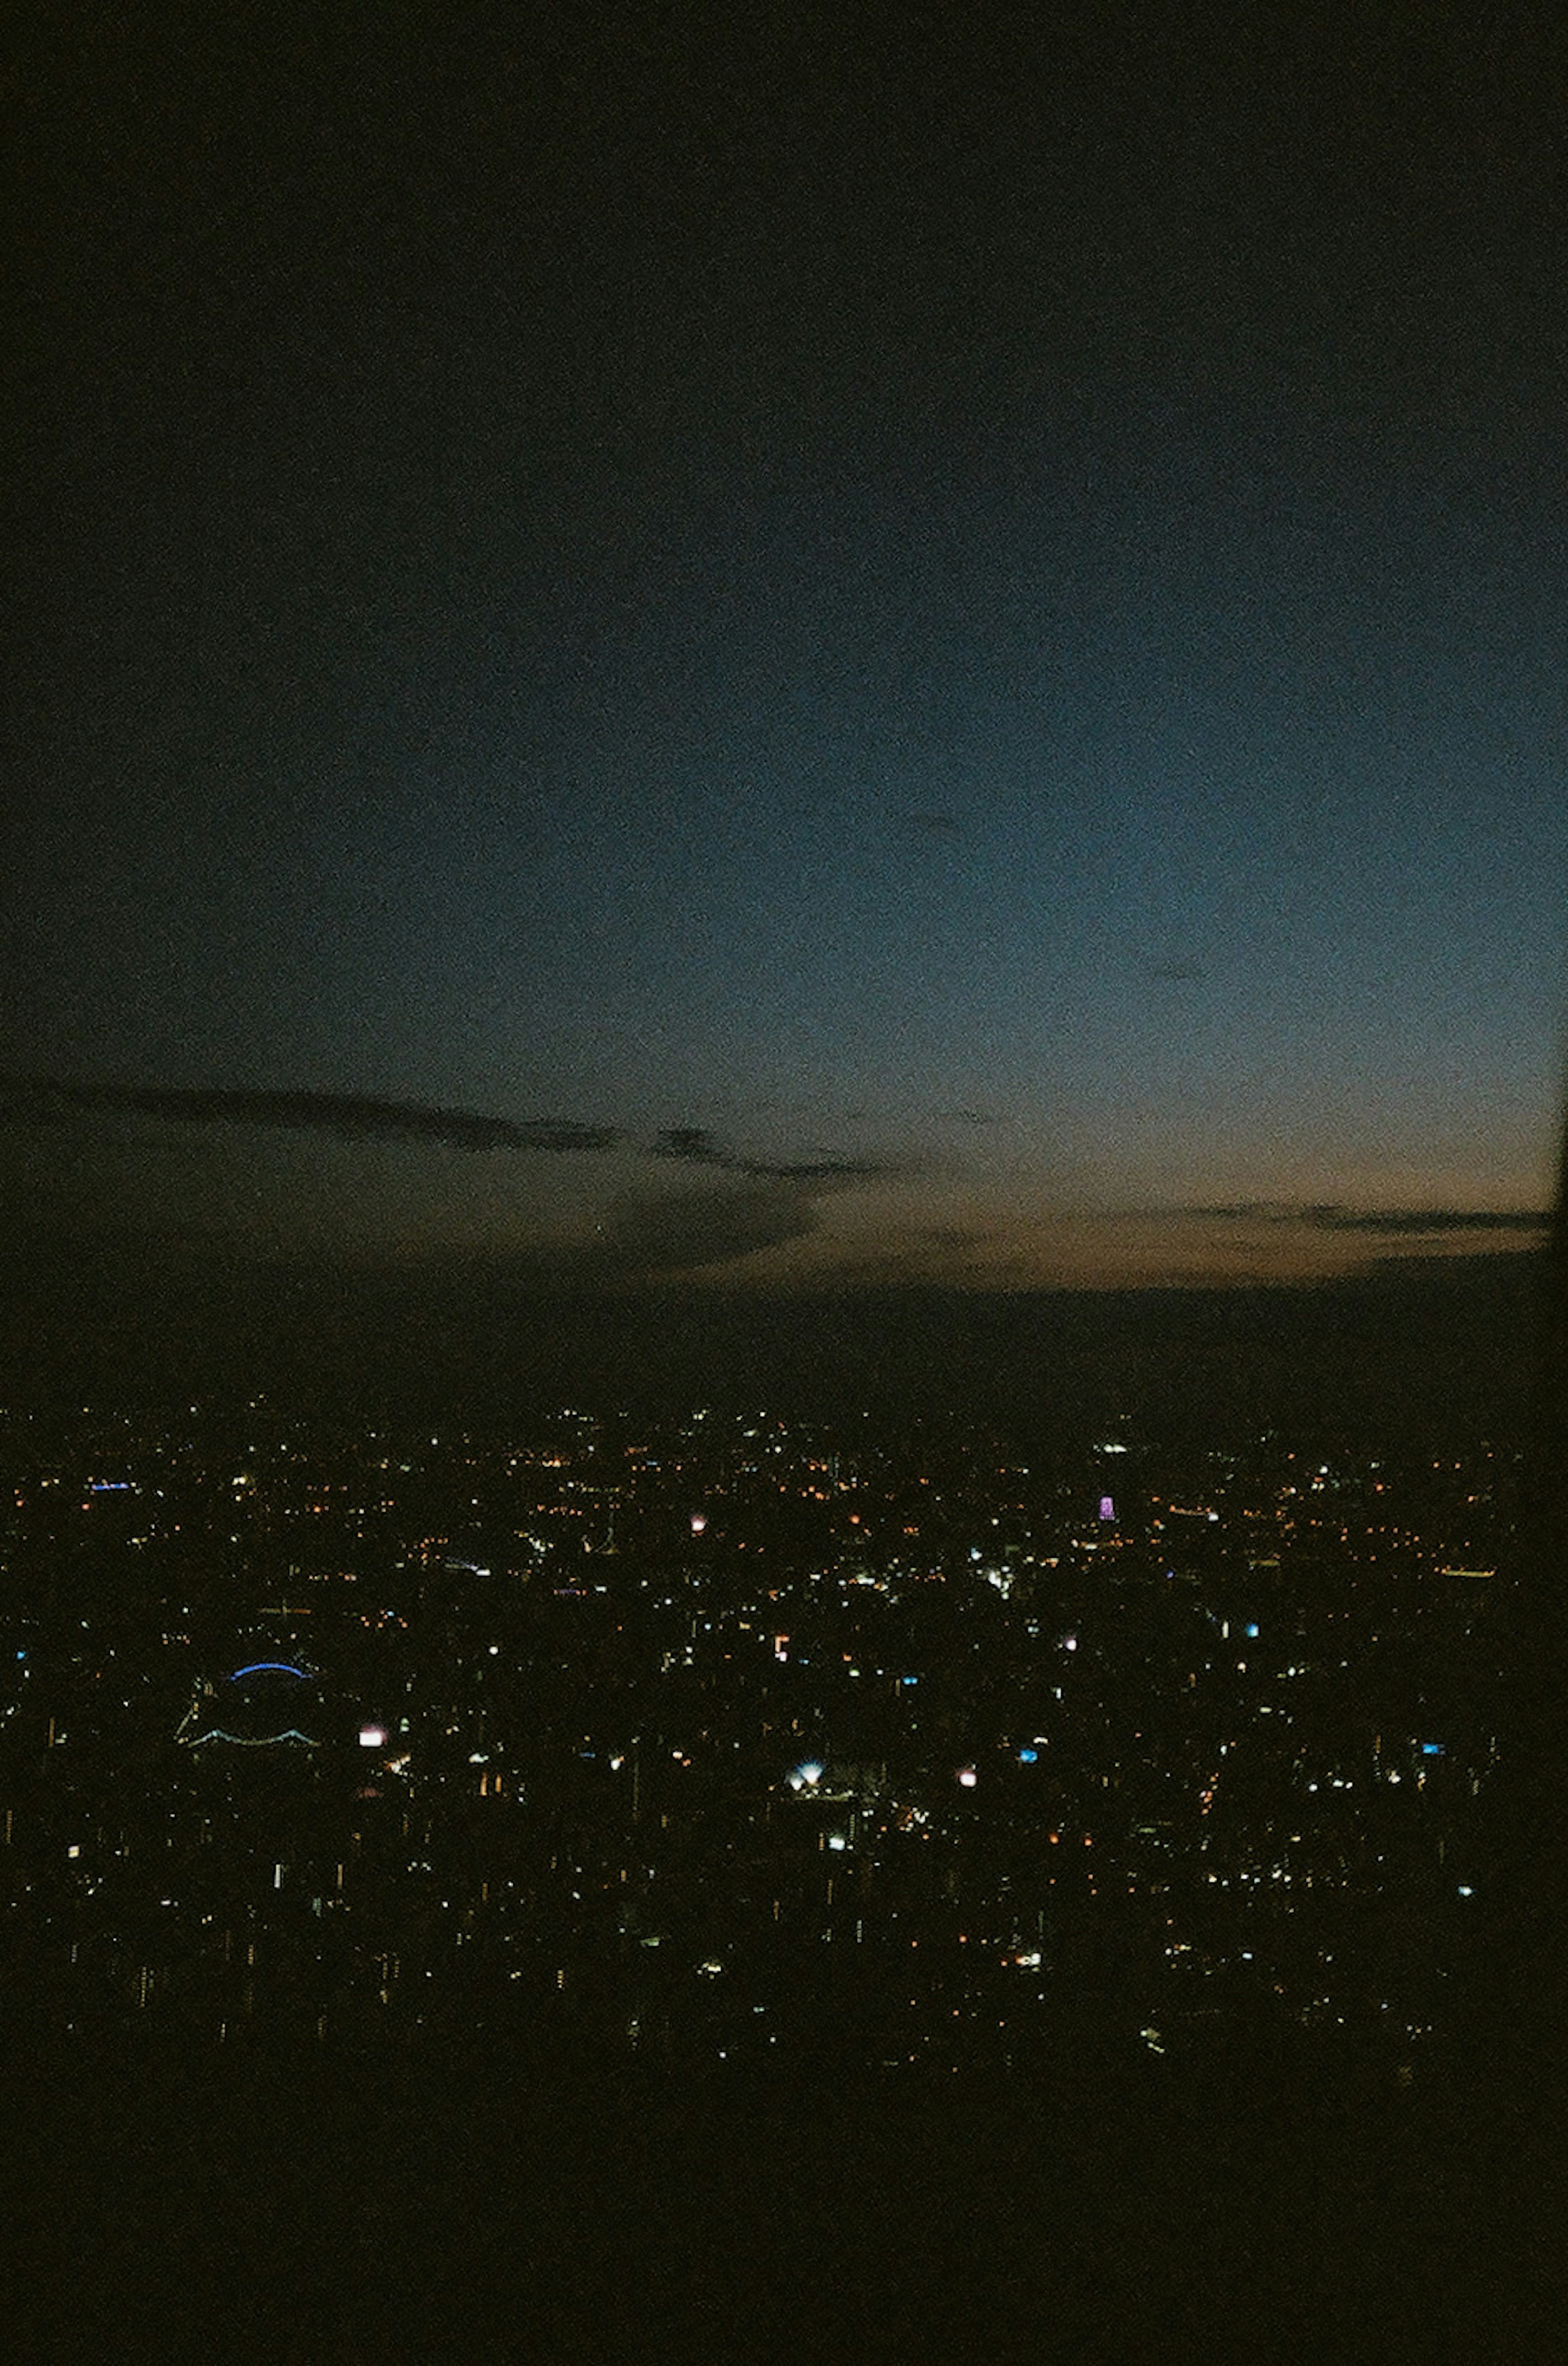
point(256, 1713)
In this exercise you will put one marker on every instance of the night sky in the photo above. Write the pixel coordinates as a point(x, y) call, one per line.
point(739, 649)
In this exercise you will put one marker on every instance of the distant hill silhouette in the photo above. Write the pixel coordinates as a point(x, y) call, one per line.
point(1410, 1342)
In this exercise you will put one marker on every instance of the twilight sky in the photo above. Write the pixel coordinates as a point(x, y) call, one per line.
point(775, 653)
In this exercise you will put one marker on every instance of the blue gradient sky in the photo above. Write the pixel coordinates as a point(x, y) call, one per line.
point(957, 643)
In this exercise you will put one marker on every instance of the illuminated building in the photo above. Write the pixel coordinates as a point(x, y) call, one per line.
point(268, 1704)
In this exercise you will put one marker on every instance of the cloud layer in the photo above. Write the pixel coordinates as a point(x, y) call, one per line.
point(736, 1207)
point(614, 1204)
point(1388, 1222)
point(361, 1116)
point(348, 1116)
point(696, 1147)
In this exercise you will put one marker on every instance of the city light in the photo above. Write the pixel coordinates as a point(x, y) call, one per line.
point(1165, 1775)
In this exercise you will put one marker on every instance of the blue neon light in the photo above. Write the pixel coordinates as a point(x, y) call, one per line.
point(1028, 1757)
point(270, 1668)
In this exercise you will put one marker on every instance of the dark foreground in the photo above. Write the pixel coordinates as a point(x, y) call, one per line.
point(255, 2206)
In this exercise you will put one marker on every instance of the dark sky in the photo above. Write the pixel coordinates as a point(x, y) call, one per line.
point(729, 645)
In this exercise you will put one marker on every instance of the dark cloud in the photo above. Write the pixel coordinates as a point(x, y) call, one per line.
point(358, 1117)
point(1264, 1211)
point(1402, 1221)
point(1177, 973)
point(934, 824)
point(352, 1115)
point(1388, 1222)
point(695, 1146)
point(694, 1143)
point(816, 1170)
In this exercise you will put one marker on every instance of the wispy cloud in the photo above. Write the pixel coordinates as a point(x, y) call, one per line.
point(361, 1116)
point(353, 1116)
point(1404, 1221)
point(695, 1147)
point(1388, 1222)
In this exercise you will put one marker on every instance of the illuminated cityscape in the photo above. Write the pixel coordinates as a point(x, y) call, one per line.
point(738, 1738)
point(783, 1244)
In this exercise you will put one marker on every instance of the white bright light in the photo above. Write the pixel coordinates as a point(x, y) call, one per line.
point(372, 1737)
